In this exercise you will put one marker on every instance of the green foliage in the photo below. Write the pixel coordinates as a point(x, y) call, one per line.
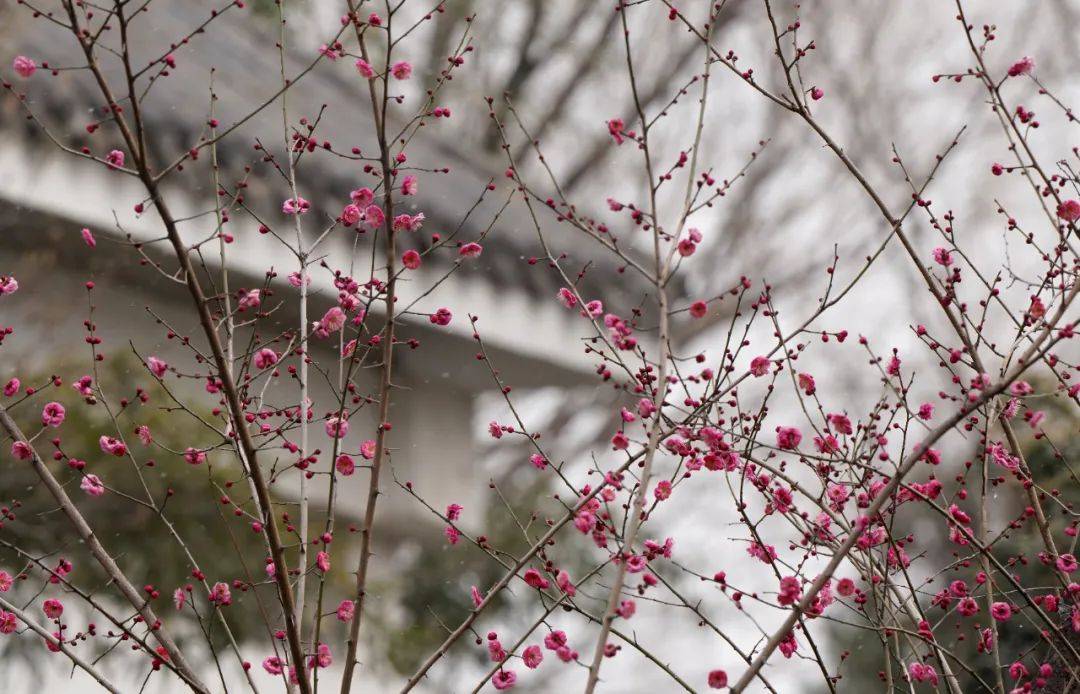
point(405, 615)
point(1049, 459)
point(137, 536)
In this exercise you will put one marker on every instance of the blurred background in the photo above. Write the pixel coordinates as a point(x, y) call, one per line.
point(562, 63)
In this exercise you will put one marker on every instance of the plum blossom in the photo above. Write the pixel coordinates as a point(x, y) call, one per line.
point(533, 578)
point(351, 214)
point(967, 607)
point(52, 415)
point(88, 237)
point(566, 297)
point(1037, 309)
point(790, 591)
point(401, 70)
point(364, 68)
point(250, 299)
point(91, 484)
point(788, 438)
point(156, 366)
point(346, 610)
point(759, 366)
point(921, 672)
point(532, 656)
point(504, 679)
point(323, 658)
point(265, 358)
point(115, 159)
point(337, 427)
point(52, 608)
point(1021, 388)
point(441, 317)
point(789, 645)
point(112, 446)
point(24, 67)
point(838, 494)
point(495, 649)
point(826, 444)
point(143, 432)
point(409, 185)
point(332, 321)
point(471, 250)
point(565, 584)
point(8, 285)
point(615, 129)
point(297, 205)
point(362, 197)
point(220, 594)
point(374, 217)
point(1001, 611)
point(1024, 66)
point(1069, 210)
point(763, 553)
point(345, 465)
point(840, 423)
point(405, 222)
point(83, 386)
point(555, 640)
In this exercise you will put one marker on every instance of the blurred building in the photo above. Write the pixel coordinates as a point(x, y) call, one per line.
point(47, 196)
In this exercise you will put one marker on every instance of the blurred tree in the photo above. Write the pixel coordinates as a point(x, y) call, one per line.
point(1047, 454)
point(143, 541)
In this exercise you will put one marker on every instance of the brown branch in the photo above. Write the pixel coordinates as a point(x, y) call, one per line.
point(52, 640)
point(86, 533)
point(378, 108)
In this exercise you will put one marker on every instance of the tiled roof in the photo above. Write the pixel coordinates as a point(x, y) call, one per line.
point(239, 47)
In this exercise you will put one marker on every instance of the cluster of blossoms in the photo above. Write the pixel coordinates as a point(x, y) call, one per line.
point(838, 510)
